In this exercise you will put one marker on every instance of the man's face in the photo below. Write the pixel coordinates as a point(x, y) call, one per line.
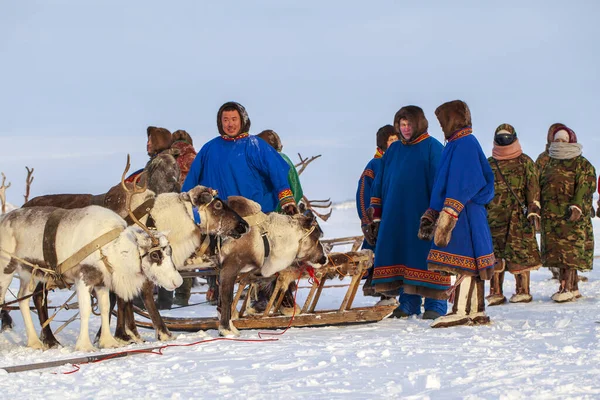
point(406, 129)
point(149, 148)
point(231, 122)
point(391, 139)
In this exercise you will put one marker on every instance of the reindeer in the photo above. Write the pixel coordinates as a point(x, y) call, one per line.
point(292, 239)
point(122, 265)
point(170, 212)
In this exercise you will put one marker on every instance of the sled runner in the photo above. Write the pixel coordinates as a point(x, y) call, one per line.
point(351, 265)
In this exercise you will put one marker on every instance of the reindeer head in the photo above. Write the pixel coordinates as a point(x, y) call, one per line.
point(216, 217)
point(310, 249)
point(157, 264)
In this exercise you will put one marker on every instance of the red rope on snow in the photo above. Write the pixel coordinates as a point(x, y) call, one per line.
point(159, 351)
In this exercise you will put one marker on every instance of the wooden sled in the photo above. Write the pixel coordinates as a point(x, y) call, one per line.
point(351, 264)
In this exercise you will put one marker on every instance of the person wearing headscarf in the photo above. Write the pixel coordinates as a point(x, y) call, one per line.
point(513, 215)
point(567, 184)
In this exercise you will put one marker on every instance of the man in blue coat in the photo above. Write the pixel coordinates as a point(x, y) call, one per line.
point(400, 195)
point(239, 164)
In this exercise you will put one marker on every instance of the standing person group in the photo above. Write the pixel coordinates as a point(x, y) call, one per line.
point(476, 217)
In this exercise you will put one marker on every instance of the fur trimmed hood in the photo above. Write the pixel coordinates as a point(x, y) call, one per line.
point(271, 137)
point(453, 115)
point(161, 138)
point(243, 115)
point(415, 116)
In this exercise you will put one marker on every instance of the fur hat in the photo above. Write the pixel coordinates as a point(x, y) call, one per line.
point(415, 116)
point(453, 115)
point(182, 135)
point(567, 130)
point(271, 137)
point(383, 134)
point(230, 106)
point(505, 134)
point(161, 138)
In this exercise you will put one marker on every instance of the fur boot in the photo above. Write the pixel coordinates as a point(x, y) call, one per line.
point(522, 282)
point(496, 296)
point(469, 305)
point(565, 290)
point(575, 285)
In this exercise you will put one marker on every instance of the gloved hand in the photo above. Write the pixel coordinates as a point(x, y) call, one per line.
point(598, 210)
point(290, 209)
point(445, 225)
point(370, 231)
point(535, 221)
point(427, 227)
point(574, 213)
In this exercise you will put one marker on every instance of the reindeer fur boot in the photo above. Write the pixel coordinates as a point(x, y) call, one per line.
point(565, 290)
point(522, 282)
point(469, 305)
point(496, 296)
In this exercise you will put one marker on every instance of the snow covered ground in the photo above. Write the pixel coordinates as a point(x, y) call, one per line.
point(537, 350)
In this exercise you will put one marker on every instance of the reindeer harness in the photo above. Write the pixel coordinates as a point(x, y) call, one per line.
point(258, 220)
point(49, 249)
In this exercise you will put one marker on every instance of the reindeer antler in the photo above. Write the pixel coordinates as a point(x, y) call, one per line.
point(312, 204)
point(304, 162)
point(3, 188)
point(129, 195)
point(28, 181)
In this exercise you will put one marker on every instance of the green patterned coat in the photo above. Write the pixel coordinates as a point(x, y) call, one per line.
point(512, 234)
point(563, 183)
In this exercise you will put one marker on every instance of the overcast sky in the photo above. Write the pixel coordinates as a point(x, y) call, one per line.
point(81, 80)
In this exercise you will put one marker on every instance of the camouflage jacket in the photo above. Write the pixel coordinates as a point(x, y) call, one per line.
point(521, 174)
point(563, 183)
point(512, 234)
point(567, 182)
point(542, 161)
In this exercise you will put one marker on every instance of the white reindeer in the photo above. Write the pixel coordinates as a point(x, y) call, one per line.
point(122, 265)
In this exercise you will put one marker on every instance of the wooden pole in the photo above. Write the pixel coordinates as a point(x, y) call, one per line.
point(76, 360)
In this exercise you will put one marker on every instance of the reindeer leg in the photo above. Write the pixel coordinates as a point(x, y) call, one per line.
point(47, 337)
point(126, 331)
point(5, 279)
point(129, 323)
point(228, 276)
point(85, 309)
point(107, 340)
point(32, 338)
point(162, 332)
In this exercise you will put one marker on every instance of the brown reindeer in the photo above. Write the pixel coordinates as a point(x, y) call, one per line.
point(292, 239)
